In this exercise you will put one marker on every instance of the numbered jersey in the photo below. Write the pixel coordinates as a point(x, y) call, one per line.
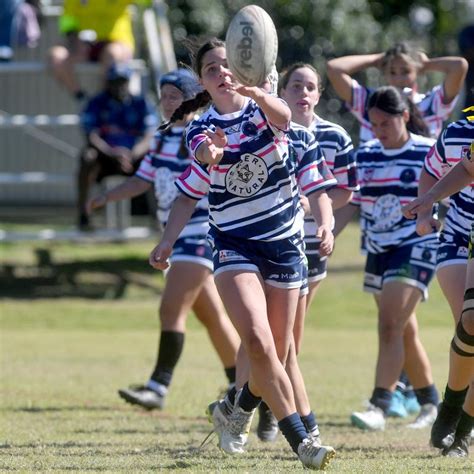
point(388, 180)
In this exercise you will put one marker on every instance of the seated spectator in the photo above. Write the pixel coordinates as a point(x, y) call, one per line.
point(95, 31)
point(19, 26)
point(118, 128)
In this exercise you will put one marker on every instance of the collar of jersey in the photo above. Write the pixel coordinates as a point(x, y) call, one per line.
point(232, 115)
point(397, 151)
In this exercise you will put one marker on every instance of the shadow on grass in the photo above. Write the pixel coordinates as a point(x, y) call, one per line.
point(74, 408)
point(94, 279)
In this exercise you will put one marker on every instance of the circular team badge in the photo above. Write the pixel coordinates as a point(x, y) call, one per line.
point(246, 177)
point(407, 176)
point(386, 213)
point(165, 190)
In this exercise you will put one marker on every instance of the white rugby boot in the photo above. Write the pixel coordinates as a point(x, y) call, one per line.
point(372, 419)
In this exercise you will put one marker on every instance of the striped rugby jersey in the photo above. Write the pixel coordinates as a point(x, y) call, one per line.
point(338, 152)
point(449, 149)
point(161, 166)
point(388, 180)
point(431, 106)
point(253, 191)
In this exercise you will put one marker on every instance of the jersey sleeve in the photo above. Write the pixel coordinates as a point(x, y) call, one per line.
point(360, 95)
point(195, 135)
point(440, 109)
point(194, 181)
point(344, 169)
point(313, 171)
point(436, 163)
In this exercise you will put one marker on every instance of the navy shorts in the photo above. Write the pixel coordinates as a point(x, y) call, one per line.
point(281, 263)
point(410, 264)
point(453, 249)
point(193, 249)
point(317, 265)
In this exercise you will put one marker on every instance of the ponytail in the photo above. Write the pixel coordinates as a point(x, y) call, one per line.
point(416, 124)
point(201, 100)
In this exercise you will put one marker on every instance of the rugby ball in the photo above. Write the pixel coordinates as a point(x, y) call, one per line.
point(251, 45)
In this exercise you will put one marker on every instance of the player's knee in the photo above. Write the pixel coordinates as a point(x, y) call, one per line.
point(467, 315)
point(463, 340)
point(258, 346)
point(389, 329)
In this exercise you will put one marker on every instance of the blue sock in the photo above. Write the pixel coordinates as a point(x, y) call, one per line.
point(381, 398)
point(427, 394)
point(309, 421)
point(247, 400)
point(293, 430)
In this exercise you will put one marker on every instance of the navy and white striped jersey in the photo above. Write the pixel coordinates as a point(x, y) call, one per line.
point(388, 180)
point(431, 106)
point(163, 163)
point(253, 191)
point(450, 147)
point(338, 152)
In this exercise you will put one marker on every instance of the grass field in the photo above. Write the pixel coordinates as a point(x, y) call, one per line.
point(83, 323)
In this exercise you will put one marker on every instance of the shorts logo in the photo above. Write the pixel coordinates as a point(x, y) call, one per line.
point(246, 177)
point(284, 276)
point(386, 213)
point(462, 252)
point(200, 251)
point(228, 256)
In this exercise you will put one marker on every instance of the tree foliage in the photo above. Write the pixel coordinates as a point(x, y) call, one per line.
point(317, 30)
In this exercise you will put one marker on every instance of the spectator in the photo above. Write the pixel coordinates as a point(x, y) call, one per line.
point(18, 26)
point(95, 31)
point(118, 128)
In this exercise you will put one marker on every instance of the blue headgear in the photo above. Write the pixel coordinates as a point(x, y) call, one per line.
point(184, 80)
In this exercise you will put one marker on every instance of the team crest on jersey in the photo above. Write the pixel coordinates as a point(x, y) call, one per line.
point(166, 191)
point(467, 152)
point(249, 129)
point(386, 213)
point(407, 176)
point(367, 176)
point(232, 129)
point(246, 177)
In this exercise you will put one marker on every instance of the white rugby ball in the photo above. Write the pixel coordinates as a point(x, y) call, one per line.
point(251, 45)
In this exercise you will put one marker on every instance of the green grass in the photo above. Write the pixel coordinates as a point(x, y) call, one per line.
point(63, 358)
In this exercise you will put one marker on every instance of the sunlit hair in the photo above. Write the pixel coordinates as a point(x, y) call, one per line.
point(390, 100)
point(203, 98)
point(287, 72)
point(401, 49)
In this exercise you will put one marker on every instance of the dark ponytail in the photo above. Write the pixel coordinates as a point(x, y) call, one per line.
point(390, 100)
point(201, 100)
